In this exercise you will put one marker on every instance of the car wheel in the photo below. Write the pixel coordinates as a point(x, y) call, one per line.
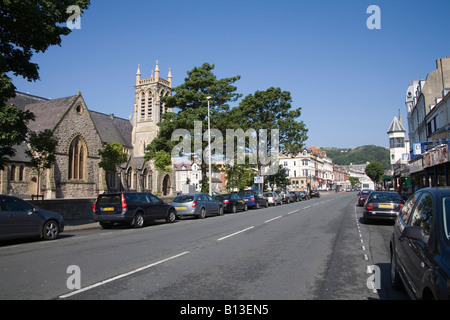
point(50, 230)
point(396, 282)
point(138, 221)
point(233, 208)
point(245, 207)
point(171, 216)
point(257, 205)
point(202, 214)
point(220, 213)
point(267, 204)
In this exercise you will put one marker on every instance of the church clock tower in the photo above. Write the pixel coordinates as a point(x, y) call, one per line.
point(148, 108)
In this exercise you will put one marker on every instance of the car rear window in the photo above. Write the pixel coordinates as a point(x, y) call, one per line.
point(385, 196)
point(182, 199)
point(246, 193)
point(109, 199)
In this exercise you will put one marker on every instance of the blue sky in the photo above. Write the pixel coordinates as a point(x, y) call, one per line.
point(349, 81)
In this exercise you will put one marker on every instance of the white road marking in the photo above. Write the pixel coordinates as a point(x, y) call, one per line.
point(233, 234)
point(120, 276)
point(267, 221)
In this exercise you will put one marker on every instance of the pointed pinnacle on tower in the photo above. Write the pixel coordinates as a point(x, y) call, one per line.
point(138, 74)
point(156, 71)
point(169, 77)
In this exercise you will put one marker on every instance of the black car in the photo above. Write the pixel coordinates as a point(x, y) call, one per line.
point(420, 245)
point(382, 205)
point(232, 202)
point(131, 208)
point(314, 193)
point(20, 219)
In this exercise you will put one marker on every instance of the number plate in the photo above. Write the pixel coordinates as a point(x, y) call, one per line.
point(386, 206)
point(108, 209)
point(181, 208)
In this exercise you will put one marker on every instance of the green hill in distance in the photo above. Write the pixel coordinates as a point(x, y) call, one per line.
point(359, 155)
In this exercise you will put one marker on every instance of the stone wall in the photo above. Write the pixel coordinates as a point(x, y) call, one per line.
point(69, 209)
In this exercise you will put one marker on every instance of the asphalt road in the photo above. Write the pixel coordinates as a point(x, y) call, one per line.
point(312, 250)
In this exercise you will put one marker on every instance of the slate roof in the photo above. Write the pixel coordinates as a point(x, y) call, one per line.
point(112, 128)
point(396, 126)
point(48, 113)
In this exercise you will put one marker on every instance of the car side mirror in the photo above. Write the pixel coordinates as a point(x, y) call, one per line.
point(415, 233)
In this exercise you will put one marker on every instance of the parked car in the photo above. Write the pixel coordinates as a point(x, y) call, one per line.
point(254, 198)
point(314, 193)
point(362, 196)
point(198, 205)
point(232, 202)
point(382, 205)
point(305, 195)
point(286, 196)
point(20, 219)
point(131, 208)
point(420, 245)
point(273, 198)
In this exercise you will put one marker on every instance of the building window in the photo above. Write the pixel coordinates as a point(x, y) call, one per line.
point(142, 106)
point(397, 142)
point(21, 172)
point(77, 159)
point(150, 105)
point(13, 173)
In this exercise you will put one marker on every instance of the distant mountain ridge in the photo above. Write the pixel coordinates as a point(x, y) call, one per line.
point(359, 155)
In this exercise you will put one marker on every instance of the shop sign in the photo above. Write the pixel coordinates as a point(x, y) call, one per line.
point(436, 156)
point(416, 166)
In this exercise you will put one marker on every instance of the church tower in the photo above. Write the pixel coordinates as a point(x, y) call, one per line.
point(148, 108)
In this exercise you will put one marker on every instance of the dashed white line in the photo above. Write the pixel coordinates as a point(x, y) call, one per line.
point(233, 234)
point(267, 221)
point(120, 276)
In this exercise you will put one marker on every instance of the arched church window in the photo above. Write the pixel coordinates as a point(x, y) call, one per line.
point(77, 159)
point(150, 105)
point(142, 105)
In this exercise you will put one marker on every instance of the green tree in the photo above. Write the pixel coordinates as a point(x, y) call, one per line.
point(239, 176)
point(191, 103)
point(111, 157)
point(41, 150)
point(375, 171)
point(272, 109)
point(27, 27)
point(162, 161)
point(280, 179)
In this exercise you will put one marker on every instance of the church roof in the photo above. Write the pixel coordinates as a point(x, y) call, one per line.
point(48, 113)
point(396, 126)
point(112, 129)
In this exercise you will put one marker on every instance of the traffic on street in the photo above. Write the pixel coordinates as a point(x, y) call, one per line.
point(317, 249)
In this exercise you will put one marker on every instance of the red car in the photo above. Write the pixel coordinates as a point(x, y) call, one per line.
point(362, 196)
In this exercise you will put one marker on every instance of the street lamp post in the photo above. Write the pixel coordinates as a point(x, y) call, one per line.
point(209, 147)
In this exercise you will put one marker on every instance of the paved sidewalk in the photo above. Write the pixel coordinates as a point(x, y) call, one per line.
point(80, 225)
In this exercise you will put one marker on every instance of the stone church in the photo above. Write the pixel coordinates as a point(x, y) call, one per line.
point(81, 133)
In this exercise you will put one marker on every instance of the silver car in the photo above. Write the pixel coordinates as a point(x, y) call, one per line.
point(197, 204)
point(274, 198)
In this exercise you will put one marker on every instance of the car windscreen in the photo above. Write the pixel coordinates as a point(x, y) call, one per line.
point(365, 192)
point(222, 197)
point(109, 199)
point(246, 193)
point(183, 199)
